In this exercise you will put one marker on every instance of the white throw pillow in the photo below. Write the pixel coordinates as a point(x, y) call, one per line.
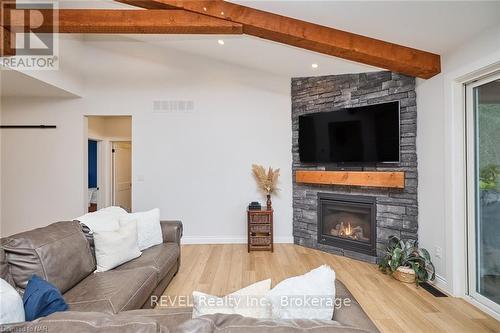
point(11, 304)
point(249, 302)
point(114, 210)
point(113, 248)
point(100, 221)
point(106, 219)
point(148, 227)
point(308, 296)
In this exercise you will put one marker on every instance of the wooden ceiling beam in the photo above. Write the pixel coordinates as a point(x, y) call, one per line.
point(123, 22)
point(220, 17)
point(146, 4)
point(7, 39)
point(318, 38)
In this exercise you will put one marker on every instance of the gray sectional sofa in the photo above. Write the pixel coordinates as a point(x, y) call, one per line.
point(119, 300)
point(62, 253)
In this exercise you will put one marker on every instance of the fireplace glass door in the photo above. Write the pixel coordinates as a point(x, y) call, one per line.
point(347, 222)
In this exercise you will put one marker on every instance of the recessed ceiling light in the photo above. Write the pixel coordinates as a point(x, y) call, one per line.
point(220, 41)
point(314, 66)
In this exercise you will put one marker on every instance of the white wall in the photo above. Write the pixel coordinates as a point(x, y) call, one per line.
point(194, 165)
point(430, 152)
point(67, 48)
point(41, 169)
point(110, 127)
point(440, 145)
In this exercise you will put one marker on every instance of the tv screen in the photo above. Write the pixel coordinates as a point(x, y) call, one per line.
point(366, 134)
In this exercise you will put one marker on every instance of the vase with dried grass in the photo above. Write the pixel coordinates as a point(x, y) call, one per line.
point(267, 181)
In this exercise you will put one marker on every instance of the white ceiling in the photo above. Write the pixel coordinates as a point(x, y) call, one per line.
point(255, 53)
point(14, 83)
point(436, 26)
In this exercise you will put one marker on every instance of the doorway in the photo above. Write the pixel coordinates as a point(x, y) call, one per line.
point(122, 175)
point(109, 162)
point(93, 189)
point(483, 190)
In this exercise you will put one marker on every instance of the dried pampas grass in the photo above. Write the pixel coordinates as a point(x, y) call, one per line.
point(267, 182)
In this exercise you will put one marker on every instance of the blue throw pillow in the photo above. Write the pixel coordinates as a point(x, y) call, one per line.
point(41, 298)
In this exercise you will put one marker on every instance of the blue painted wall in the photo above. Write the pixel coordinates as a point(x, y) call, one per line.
point(92, 164)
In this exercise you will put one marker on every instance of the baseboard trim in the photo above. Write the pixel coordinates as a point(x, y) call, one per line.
point(482, 307)
point(441, 284)
point(228, 240)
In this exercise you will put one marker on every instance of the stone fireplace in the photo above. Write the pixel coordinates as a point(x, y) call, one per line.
point(363, 232)
point(347, 222)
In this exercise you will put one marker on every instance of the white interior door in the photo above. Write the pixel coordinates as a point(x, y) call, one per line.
point(122, 175)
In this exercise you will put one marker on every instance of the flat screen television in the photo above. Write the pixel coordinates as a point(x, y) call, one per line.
point(366, 134)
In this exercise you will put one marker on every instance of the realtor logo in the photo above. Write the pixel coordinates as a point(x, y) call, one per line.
point(32, 35)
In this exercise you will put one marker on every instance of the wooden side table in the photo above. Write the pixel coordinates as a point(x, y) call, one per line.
point(260, 230)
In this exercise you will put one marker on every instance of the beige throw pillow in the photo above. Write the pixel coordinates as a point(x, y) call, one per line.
point(249, 302)
point(308, 296)
point(113, 248)
point(148, 227)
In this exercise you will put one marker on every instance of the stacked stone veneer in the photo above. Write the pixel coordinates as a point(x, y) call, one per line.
point(397, 210)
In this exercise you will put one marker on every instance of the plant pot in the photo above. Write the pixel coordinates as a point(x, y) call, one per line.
point(404, 274)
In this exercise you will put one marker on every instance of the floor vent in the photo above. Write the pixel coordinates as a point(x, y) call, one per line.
point(433, 290)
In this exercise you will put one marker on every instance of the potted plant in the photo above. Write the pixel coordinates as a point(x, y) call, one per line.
point(406, 262)
point(267, 181)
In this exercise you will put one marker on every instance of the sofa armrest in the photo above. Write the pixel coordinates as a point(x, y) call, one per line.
point(171, 231)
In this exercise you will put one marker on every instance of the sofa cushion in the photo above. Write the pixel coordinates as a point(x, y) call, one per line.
point(353, 314)
point(161, 257)
point(113, 291)
point(165, 316)
point(89, 322)
point(58, 253)
point(163, 321)
point(4, 267)
point(231, 323)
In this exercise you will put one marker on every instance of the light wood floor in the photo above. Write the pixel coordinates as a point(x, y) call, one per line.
point(392, 305)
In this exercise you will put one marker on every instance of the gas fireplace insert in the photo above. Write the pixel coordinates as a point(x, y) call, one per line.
point(347, 222)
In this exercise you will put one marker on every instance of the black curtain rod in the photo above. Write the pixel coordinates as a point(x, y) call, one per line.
point(28, 126)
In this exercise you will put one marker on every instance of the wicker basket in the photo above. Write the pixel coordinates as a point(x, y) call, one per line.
point(260, 218)
point(261, 241)
point(265, 228)
point(404, 274)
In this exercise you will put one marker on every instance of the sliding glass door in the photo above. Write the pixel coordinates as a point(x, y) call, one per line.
point(483, 133)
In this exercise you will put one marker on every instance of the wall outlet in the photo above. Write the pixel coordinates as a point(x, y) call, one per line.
point(438, 252)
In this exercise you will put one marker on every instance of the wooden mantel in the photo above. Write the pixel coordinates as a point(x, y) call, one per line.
point(392, 179)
